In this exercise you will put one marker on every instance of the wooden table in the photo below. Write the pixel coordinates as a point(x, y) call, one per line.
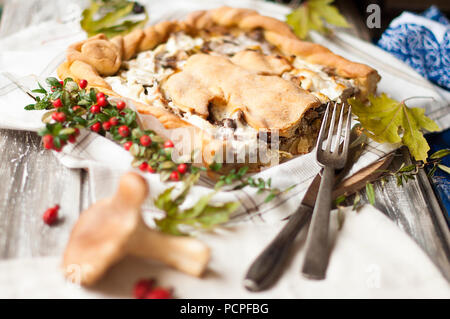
point(33, 179)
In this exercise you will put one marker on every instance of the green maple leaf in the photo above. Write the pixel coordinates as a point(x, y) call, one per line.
point(311, 15)
point(387, 120)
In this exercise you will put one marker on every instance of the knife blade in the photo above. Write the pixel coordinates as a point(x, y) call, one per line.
point(267, 267)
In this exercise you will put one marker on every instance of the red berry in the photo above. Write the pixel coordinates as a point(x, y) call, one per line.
point(151, 170)
point(96, 127)
point(159, 293)
point(175, 176)
point(168, 144)
point(57, 103)
point(106, 125)
point(142, 288)
point(48, 141)
point(82, 84)
point(51, 215)
point(114, 121)
point(124, 131)
point(99, 95)
point(61, 82)
point(53, 88)
point(72, 138)
point(95, 109)
point(59, 116)
point(102, 101)
point(127, 145)
point(122, 113)
point(121, 105)
point(77, 131)
point(76, 107)
point(182, 168)
point(143, 167)
point(145, 140)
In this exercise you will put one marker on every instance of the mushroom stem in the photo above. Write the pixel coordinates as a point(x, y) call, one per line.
point(187, 254)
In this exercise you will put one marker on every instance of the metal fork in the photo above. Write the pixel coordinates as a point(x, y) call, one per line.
point(317, 252)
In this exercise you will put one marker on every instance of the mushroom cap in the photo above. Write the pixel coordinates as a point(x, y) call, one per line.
point(101, 235)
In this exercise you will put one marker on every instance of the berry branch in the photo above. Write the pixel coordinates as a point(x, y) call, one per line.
point(72, 107)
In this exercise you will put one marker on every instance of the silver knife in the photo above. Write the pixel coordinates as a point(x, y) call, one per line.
point(267, 267)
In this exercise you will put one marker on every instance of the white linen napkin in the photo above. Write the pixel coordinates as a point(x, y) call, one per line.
point(371, 259)
point(44, 51)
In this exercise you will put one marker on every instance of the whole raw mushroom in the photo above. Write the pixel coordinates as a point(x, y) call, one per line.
point(113, 228)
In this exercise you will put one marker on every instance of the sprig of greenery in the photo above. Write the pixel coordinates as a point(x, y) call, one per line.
point(202, 215)
point(75, 105)
point(408, 172)
point(235, 175)
point(403, 174)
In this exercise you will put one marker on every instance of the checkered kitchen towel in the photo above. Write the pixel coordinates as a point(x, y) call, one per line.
point(39, 49)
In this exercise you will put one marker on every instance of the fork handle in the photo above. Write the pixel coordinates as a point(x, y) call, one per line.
point(267, 267)
point(317, 252)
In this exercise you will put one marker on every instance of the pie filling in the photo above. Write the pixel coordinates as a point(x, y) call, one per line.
point(142, 79)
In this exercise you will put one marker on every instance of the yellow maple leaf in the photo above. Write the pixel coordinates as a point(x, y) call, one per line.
point(310, 15)
point(386, 120)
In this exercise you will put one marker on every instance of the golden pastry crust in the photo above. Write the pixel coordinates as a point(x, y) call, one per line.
point(267, 102)
point(97, 57)
point(260, 63)
point(106, 55)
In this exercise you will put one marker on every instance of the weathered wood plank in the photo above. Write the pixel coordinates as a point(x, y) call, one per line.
point(408, 207)
point(31, 181)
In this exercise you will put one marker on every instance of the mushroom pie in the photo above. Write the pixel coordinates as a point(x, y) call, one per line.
point(229, 70)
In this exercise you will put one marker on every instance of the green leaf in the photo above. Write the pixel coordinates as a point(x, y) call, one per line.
point(432, 171)
point(399, 180)
point(387, 120)
point(242, 171)
point(328, 12)
point(201, 215)
point(310, 16)
point(110, 24)
point(65, 99)
point(339, 200)
point(53, 82)
point(298, 20)
point(270, 197)
point(42, 91)
point(440, 154)
point(444, 168)
point(370, 193)
point(67, 131)
point(164, 200)
point(408, 168)
point(356, 201)
point(47, 116)
point(215, 166)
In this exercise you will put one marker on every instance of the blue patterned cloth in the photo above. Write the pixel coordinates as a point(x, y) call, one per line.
point(423, 42)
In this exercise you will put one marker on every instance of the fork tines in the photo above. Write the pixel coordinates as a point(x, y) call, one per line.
point(330, 126)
